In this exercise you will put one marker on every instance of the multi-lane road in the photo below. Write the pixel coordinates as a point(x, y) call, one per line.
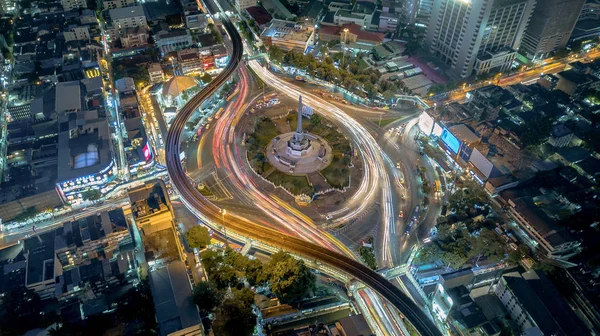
point(209, 212)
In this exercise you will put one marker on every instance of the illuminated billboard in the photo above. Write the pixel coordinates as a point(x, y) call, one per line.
point(437, 130)
point(450, 140)
point(147, 150)
point(426, 123)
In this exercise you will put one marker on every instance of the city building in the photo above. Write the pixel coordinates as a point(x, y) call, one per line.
point(417, 12)
point(260, 16)
point(574, 83)
point(75, 33)
point(475, 37)
point(82, 258)
point(128, 17)
point(243, 4)
point(155, 73)
point(588, 23)
point(69, 5)
point(7, 7)
point(534, 303)
point(351, 36)
point(112, 4)
point(85, 156)
point(541, 230)
point(175, 86)
point(289, 35)
point(388, 22)
point(550, 28)
point(135, 37)
point(189, 61)
point(560, 136)
point(172, 41)
point(169, 280)
point(138, 151)
point(196, 20)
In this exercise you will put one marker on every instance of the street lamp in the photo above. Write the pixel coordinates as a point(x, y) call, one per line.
point(344, 46)
point(223, 213)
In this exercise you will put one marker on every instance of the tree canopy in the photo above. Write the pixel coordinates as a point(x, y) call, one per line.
point(235, 317)
point(206, 296)
point(289, 278)
point(198, 237)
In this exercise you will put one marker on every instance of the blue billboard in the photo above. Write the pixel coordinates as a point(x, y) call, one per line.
point(450, 140)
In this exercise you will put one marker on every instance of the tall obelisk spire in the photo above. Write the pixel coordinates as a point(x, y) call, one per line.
point(299, 134)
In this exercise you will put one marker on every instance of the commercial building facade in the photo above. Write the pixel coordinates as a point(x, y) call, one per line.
point(550, 27)
point(173, 41)
point(477, 36)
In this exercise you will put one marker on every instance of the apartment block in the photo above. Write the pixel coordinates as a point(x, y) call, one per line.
point(475, 37)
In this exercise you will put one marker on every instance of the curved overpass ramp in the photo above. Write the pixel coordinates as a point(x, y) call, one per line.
point(193, 199)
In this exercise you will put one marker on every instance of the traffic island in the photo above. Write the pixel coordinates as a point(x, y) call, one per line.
point(300, 161)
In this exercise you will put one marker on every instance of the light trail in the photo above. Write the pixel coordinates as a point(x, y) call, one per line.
point(375, 177)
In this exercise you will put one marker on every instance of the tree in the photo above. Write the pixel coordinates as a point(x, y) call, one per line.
point(206, 296)
point(137, 305)
point(536, 130)
point(198, 237)
point(234, 317)
point(289, 278)
point(315, 119)
point(91, 195)
point(275, 54)
point(514, 256)
point(206, 78)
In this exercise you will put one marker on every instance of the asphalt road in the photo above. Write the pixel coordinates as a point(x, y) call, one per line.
point(205, 209)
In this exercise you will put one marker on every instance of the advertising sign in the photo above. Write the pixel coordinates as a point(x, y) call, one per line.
point(426, 123)
point(450, 140)
point(147, 150)
point(437, 130)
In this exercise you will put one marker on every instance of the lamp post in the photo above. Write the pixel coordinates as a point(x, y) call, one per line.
point(223, 212)
point(172, 65)
point(344, 46)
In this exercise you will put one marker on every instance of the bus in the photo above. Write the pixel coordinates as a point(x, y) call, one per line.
point(234, 93)
point(218, 114)
point(438, 188)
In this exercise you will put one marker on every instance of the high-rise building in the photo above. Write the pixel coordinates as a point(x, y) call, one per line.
point(417, 12)
point(476, 37)
point(550, 27)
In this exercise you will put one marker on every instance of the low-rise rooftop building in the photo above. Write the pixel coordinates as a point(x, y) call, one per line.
point(289, 35)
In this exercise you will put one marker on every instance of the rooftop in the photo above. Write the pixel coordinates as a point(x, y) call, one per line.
point(573, 154)
point(536, 217)
point(527, 297)
point(176, 85)
point(126, 12)
point(288, 30)
point(259, 14)
point(555, 304)
point(40, 258)
point(68, 96)
point(84, 145)
point(171, 293)
point(464, 133)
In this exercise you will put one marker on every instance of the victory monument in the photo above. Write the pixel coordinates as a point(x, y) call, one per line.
point(299, 153)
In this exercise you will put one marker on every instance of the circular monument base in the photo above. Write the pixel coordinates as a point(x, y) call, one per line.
point(293, 162)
